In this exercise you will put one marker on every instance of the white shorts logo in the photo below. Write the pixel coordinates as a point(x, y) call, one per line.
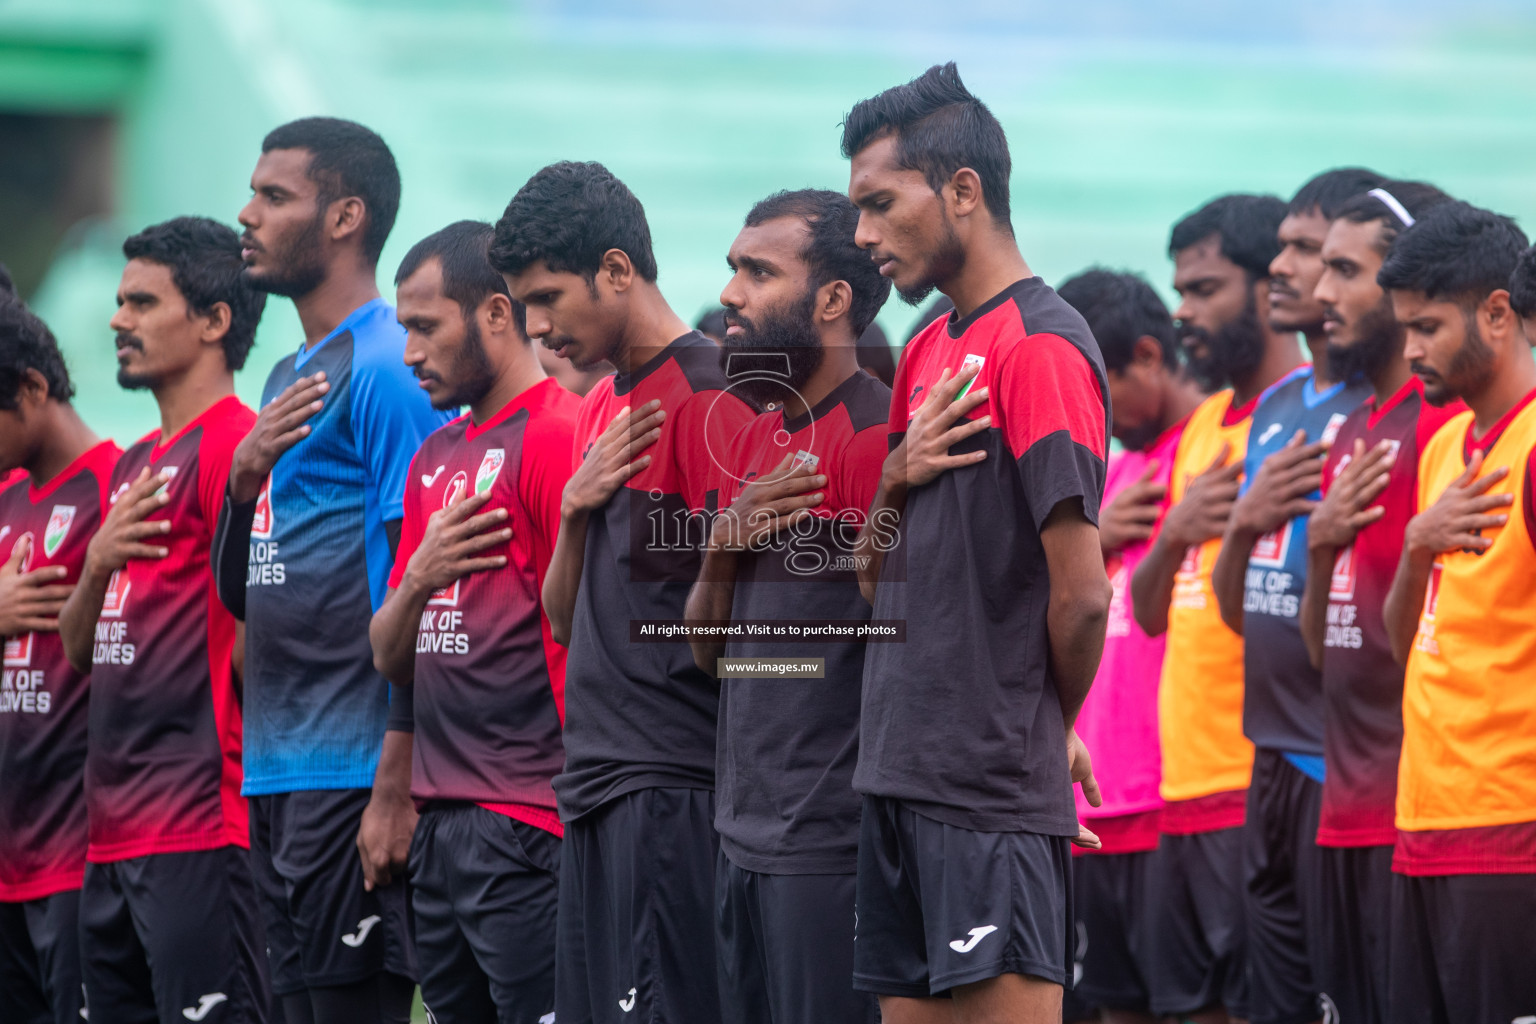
point(976, 935)
point(204, 1004)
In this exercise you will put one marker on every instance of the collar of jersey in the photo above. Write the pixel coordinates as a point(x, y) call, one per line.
point(524, 399)
point(1312, 398)
point(353, 319)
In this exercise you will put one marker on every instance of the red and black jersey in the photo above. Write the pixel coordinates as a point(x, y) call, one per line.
point(642, 714)
point(163, 770)
point(963, 722)
point(784, 798)
point(1362, 683)
point(490, 679)
point(43, 700)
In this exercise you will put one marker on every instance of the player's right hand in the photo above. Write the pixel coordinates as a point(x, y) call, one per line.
point(124, 531)
point(30, 601)
point(923, 453)
point(452, 543)
point(1203, 512)
point(1131, 514)
point(278, 427)
point(1346, 507)
point(613, 458)
point(767, 505)
point(1457, 519)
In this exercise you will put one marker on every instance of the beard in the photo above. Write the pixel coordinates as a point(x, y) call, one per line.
point(1232, 352)
point(471, 368)
point(1139, 439)
point(1378, 341)
point(299, 267)
point(779, 338)
point(945, 262)
point(1470, 372)
point(130, 380)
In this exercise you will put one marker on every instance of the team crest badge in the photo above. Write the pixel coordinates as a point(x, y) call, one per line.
point(261, 524)
point(170, 475)
point(455, 488)
point(971, 359)
point(806, 459)
point(58, 528)
point(117, 595)
point(490, 469)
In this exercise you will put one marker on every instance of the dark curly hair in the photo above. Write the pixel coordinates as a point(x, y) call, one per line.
point(1456, 252)
point(567, 215)
point(1247, 227)
point(26, 343)
point(204, 259)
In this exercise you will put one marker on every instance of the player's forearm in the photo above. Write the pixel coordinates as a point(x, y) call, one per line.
point(1313, 618)
point(392, 779)
point(78, 617)
point(710, 601)
point(1405, 600)
point(392, 631)
point(1227, 575)
point(880, 533)
point(562, 581)
point(1152, 586)
point(1076, 620)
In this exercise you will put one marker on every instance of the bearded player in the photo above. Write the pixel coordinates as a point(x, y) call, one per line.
point(1459, 615)
point(801, 293)
point(463, 626)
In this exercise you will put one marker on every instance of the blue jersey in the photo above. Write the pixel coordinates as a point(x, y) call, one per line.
point(1283, 693)
point(319, 561)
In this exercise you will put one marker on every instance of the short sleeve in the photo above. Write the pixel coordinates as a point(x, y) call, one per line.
point(703, 440)
point(1050, 407)
point(411, 527)
point(900, 400)
point(546, 469)
point(863, 462)
point(215, 455)
point(391, 417)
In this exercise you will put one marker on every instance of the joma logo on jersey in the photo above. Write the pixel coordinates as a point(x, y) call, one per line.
point(1341, 587)
point(455, 488)
point(58, 528)
point(1270, 550)
point(490, 469)
point(261, 523)
point(117, 595)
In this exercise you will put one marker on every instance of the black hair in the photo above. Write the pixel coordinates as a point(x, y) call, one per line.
point(874, 354)
point(940, 127)
point(1328, 192)
point(26, 343)
point(345, 160)
point(461, 249)
point(7, 284)
point(1121, 308)
point(1457, 252)
point(1416, 197)
point(1246, 226)
point(831, 252)
point(1522, 284)
point(567, 215)
point(712, 322)
point(204, 259)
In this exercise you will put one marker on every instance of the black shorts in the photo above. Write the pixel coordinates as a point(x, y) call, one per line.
point(1114, 944)
point(1196, 912)
point(786, 948)
point(173, 937)
point(40, 960)
point(484, 888)
point(635, 937)
point(1462, 948)
point(1352, 946)
point(1283, 891)
point(941, 906)
point(322, 929)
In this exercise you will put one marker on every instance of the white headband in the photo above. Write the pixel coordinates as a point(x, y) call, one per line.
point(1390, 202)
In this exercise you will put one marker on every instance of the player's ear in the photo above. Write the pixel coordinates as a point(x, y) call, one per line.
point(496, 312)
point(1495, 316)
point(963, 191)
point(833, 300)
point(617, 270)
point(345, 217)
point(215, 324)
point(1146, 351)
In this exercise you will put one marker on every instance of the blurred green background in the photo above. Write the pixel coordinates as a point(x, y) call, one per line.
point(1122, 116)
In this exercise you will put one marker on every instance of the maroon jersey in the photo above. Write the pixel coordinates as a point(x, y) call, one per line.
point(784, 799)
point(490, 679)
point(642, 714)
point(1362, 683)
point(43, 700)
point(163, 771)
point(963, 723)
